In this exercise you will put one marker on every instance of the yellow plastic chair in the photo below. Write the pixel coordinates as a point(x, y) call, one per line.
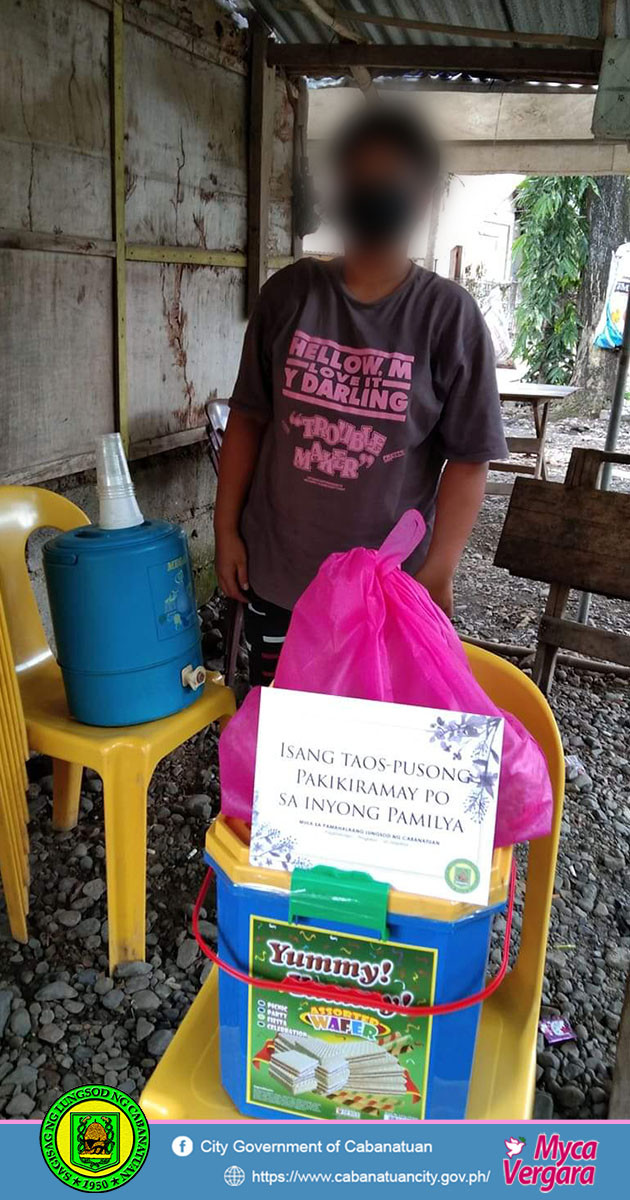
point(14, 846)
point(124, 757)
point(504, 1074)
point(186, 1084)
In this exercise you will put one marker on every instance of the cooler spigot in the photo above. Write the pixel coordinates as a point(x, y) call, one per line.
point(193, 677)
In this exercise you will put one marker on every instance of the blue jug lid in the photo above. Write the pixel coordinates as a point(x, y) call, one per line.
point(89, 538)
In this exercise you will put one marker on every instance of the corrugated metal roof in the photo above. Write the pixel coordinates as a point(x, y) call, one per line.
point(577, 18)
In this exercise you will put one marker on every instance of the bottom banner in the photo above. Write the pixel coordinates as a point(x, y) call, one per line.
point(94, 1146)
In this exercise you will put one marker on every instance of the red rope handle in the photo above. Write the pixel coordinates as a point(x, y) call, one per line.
point(346, 996)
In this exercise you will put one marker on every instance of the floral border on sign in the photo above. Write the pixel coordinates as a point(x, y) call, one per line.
point(471, 738)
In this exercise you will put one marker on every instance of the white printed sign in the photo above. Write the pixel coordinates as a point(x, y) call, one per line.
point(407, 794)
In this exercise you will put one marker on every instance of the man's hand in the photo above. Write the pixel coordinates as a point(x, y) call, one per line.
point(439, 587)
point(231, 565)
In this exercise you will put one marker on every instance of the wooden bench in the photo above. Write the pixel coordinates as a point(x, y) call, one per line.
point(571, 535)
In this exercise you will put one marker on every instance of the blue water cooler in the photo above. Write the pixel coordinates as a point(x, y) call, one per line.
point(123, 611)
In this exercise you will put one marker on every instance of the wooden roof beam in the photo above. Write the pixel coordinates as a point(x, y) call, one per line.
point(556, 65)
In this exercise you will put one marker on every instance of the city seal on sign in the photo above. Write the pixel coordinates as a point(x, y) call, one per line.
point(462, 875)
point(95, 1132)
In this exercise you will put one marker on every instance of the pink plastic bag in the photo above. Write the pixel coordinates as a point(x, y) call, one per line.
point(367, 629)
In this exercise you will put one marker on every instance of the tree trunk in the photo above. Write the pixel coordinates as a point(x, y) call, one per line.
point(609, 226)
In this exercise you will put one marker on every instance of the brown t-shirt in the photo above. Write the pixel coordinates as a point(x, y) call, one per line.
point(363, 404)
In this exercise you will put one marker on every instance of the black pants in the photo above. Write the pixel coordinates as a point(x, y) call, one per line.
point(266, 627)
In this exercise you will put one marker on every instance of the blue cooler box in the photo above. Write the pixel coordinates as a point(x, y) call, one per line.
point(123, 610)
point(449, 940)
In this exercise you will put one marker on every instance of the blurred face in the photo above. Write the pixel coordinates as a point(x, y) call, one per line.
point(380, 197)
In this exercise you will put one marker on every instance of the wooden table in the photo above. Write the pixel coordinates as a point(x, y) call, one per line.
point(539, 396)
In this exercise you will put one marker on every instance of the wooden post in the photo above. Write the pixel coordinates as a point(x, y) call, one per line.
point(546, 660)
point(261, 113)
point(607, 18)
point(455, 263)
point(300, 161)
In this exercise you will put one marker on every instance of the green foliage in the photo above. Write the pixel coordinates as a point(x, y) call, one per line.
point(550, 255)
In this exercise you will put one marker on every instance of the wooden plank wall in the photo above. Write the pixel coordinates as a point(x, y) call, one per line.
point(184, 148)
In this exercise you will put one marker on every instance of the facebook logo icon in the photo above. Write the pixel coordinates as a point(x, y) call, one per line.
point(182, 1146)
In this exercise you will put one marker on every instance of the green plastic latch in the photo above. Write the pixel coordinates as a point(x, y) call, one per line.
point(350, 897)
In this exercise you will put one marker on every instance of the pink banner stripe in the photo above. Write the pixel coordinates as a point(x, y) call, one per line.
point(374, 413)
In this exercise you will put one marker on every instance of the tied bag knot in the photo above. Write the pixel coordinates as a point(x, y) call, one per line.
point(407, 533)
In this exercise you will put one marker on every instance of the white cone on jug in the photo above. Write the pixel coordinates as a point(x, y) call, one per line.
point(118, 507)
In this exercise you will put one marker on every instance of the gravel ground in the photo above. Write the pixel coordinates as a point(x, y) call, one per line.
point(64, 1021)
